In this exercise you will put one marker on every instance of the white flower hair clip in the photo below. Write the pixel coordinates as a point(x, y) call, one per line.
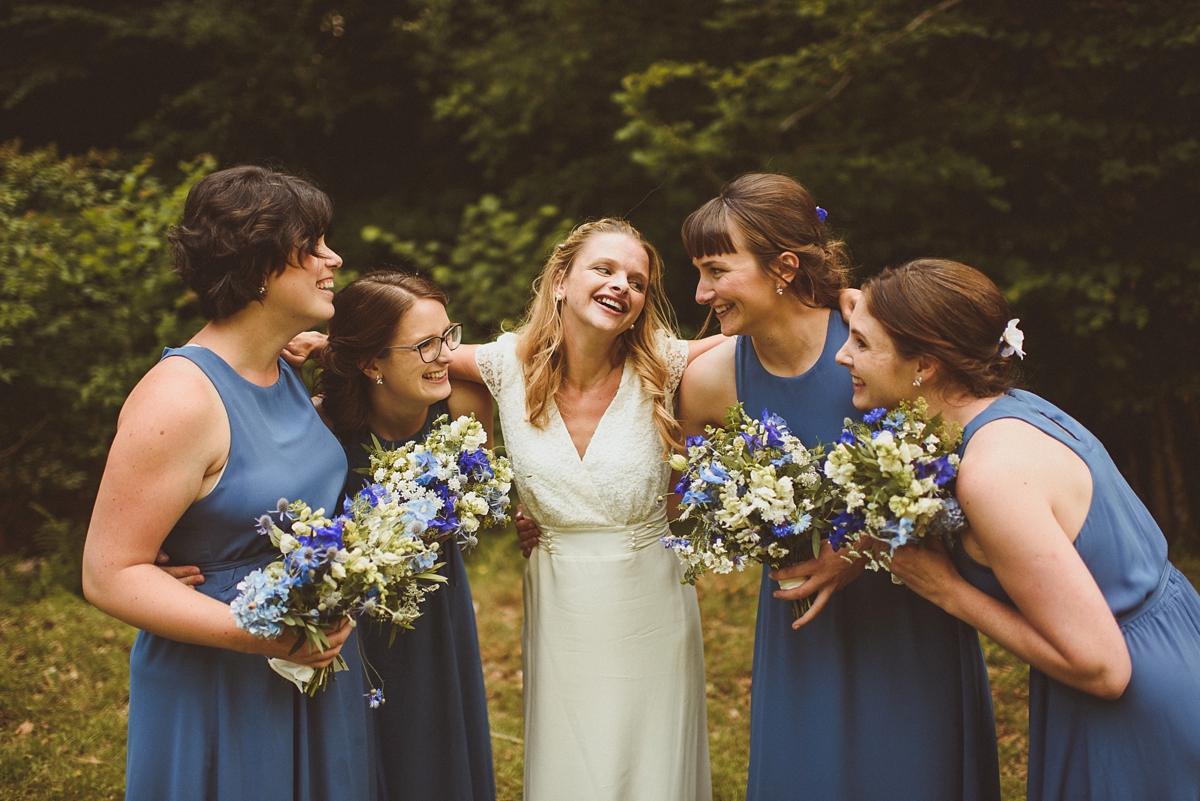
point(1012, 340)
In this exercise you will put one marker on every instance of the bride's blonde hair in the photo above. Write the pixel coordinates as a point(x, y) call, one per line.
point(540, 350)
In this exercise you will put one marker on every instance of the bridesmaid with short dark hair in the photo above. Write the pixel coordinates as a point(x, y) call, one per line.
point(208, 441)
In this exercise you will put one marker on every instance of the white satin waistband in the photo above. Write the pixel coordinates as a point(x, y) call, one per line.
point(603, 540)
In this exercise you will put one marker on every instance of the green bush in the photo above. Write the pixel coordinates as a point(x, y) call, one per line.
point(87, 300)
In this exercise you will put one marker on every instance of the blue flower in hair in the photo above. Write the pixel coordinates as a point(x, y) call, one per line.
point(822, 214)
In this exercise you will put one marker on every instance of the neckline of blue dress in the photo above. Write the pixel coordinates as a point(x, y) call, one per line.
point(282, 365)
point(824, 357)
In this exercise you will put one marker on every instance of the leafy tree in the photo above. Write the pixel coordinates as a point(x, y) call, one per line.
point(87, 301)
point(1054, 146)
point(489, 270)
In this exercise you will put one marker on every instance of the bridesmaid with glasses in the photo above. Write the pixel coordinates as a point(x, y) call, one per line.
point(385, 376)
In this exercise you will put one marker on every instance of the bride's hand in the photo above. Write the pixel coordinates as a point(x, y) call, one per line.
point(848, 300)
point(527, 532)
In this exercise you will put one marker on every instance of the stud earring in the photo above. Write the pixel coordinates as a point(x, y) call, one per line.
point(779, 289)
point(917, 381)
point(379, 380)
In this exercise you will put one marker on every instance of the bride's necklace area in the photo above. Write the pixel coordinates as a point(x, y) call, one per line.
point(600, 393)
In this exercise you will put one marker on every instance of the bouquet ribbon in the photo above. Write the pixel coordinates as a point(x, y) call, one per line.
point(300, 675)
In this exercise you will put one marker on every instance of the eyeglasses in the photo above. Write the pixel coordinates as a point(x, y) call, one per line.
point(430, 349)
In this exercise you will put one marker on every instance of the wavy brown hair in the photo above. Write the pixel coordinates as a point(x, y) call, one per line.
point(240, 226)
point(540, 350)
point(773, 214)
point(367, 313)
point(948, 312)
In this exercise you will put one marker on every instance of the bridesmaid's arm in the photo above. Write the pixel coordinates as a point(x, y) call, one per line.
point(171, 444)
point(1010, 486)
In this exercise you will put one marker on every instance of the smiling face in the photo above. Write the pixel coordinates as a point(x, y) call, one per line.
point(407, 380)
point(605, 287)
point(740, 293)
point(881, 376)
point(304, 289)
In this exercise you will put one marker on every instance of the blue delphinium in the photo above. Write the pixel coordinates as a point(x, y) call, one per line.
point(476, 465)
point(844, 525)
point(940, 470)
point(874, 416)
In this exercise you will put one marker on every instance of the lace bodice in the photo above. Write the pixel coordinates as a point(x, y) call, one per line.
point(622, 474)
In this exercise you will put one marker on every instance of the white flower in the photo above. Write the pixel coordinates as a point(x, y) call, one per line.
point(1013, 339)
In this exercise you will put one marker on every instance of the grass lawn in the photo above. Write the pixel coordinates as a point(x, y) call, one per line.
point(65, 690)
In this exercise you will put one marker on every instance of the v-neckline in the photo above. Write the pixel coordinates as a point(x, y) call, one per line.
point(582, 457)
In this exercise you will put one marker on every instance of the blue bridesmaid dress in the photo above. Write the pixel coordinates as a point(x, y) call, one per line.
point(432, 731)
point(209, 724)
point(1145, 744)
point(883, 697)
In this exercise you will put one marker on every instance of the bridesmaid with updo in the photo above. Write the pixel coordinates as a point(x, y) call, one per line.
point(1061, 564)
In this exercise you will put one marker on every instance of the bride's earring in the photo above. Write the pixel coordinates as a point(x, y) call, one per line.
point(379, 380)
point(779, 289)
point(917, 381)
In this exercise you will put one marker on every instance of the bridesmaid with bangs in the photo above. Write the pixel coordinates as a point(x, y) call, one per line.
point(875, 694)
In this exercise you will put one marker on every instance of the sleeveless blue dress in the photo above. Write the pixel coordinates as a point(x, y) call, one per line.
point(209, 723)
point(1145, 744)
point(432, 731)
point(883, 697)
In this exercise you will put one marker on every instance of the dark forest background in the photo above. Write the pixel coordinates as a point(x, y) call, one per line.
point(1053, 145)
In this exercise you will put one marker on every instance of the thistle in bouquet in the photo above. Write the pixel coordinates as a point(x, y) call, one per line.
point(892, 477)
point(467, 484)
point(752, 492)
point(368, 559)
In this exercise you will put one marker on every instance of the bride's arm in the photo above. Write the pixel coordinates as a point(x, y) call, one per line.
point(698, 347)
point(463, 366)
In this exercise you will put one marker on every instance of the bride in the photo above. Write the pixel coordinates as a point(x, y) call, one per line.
point(612, 651)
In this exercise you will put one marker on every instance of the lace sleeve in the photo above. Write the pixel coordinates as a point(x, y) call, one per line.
point(490, 360)
point(675, 353)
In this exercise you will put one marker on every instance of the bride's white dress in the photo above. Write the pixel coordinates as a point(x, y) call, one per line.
point(611, 647)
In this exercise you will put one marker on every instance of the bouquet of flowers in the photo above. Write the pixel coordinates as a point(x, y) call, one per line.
point(370, 558)
point(892, 475)
point(467, 484)
point(752, 491)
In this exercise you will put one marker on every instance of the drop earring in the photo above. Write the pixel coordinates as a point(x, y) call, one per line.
point(917, 381)
point(262, 291)
point(379, 380)
point(779, 289)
